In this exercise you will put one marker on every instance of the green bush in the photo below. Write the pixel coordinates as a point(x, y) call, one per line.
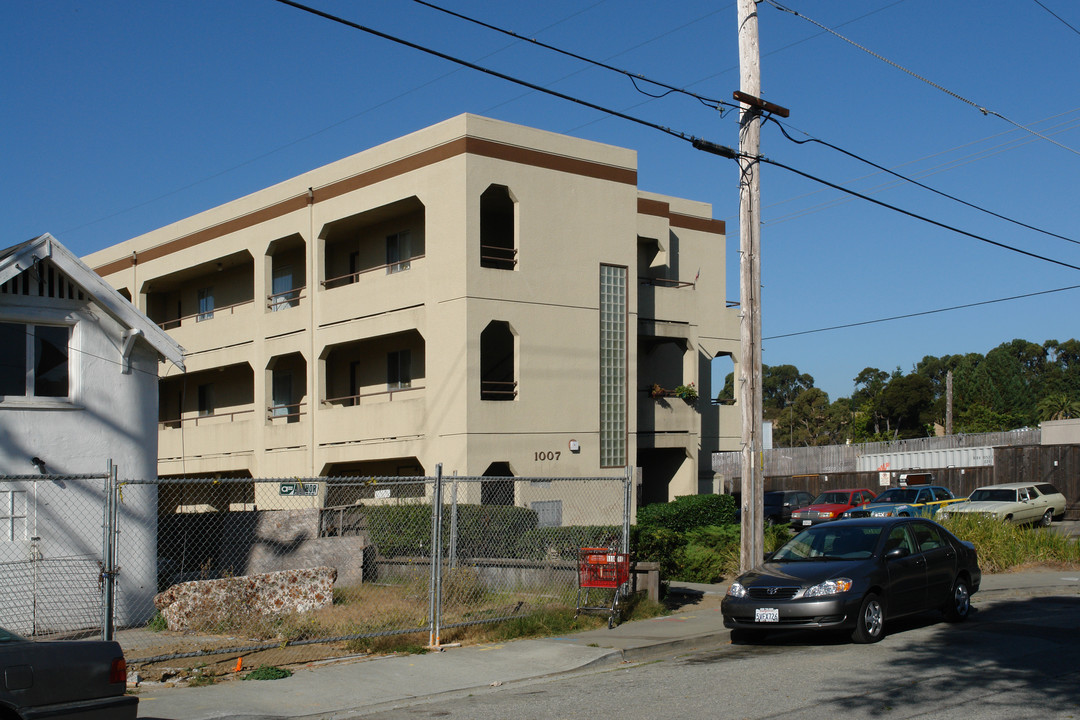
point(659, 545)
point(689, 512)
point(482, 530)
point(564, 543)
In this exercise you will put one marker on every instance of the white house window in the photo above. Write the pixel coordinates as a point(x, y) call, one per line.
point(398, 252)
point(12, 515)
point(34, 360)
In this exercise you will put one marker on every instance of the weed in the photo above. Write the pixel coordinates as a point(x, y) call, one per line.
point(268, 672)
point(157, 623)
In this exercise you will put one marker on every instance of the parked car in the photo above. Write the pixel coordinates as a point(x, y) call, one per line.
point(777, 505)
point(830, 505)
point(856, 574)
point(1014, 502)
point(63, 679)
point(923, 500)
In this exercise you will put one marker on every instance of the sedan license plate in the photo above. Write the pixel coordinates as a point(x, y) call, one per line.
point(766, 615)
point(807, 522)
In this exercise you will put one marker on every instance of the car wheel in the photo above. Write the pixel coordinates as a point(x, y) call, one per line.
point(1047, 518)
point(958, 606)
point(870, 622)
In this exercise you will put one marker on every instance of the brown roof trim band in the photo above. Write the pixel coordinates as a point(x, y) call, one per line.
point(658, 208)
point(465, 145)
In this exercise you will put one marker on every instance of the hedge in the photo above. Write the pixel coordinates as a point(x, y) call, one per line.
point(689, 512)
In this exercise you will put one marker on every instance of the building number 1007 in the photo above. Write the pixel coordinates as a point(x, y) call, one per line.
point(547, 455)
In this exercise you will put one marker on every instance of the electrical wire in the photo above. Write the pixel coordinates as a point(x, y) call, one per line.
point(931, 83)
point(1061, 19)
point(697, 143)
point(854, 156)
point(924, 312)
point(712, 103)
point(911, 214)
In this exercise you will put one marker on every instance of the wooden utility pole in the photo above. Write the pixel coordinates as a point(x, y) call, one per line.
point(948, 402)
point(753, 481)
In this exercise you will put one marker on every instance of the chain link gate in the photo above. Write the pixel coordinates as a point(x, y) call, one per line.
point(290, 569)
point(58, 557)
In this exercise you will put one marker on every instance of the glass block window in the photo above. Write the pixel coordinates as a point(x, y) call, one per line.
point(613, 352)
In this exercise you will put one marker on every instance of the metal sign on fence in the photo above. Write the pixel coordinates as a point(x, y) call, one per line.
point(296, 489)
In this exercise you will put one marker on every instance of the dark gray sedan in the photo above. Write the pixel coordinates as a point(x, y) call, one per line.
point(83, 679)
point(856, 574)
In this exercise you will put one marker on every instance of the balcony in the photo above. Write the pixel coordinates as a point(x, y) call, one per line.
point(218, 434)
point(373, 416)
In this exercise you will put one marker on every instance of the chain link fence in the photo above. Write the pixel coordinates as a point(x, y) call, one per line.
point(289, 570)
point(52, 554)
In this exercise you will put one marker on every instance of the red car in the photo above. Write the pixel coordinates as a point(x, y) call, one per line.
point(830, 505)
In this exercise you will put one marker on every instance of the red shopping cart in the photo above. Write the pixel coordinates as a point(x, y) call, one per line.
point(602, 569)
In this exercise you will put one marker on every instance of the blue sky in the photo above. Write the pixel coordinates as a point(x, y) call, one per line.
point(119, 117)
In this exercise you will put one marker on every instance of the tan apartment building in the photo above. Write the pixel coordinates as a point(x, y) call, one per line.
point(492, 297)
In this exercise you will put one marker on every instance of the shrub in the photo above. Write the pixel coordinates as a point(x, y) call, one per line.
point(564, 543)
point(482, 530)
point(689, 512)
point(659, 545)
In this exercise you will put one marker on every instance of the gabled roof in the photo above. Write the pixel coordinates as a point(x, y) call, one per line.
point(17, 259)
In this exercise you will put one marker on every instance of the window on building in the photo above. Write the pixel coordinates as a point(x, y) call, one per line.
point(34, 360)
point(206, 399)
point(281, 391)
point(613, 349)
point(12, 515)
point(398, 251)
point(281, 288)
point(398, 369)
point(498, 244)
point(497, 364)
point(206, 304)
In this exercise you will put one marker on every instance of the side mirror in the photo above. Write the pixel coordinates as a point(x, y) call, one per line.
point(897, 553)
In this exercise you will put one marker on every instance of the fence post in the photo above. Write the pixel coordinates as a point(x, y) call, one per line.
point(627, 499)
point(436, 559)
point(108, 557)
point(453, 523)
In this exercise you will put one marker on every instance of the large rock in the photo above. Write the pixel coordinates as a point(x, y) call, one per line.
point(206, 604)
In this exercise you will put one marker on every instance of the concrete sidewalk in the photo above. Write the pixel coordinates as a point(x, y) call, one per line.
point(337, 690)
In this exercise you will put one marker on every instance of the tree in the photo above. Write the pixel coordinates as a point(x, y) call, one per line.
point(781, 385)
point(906, 401)
point(1058, 407)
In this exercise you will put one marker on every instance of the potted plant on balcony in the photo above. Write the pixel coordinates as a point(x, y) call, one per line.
point(687, 392)
point(657, 392)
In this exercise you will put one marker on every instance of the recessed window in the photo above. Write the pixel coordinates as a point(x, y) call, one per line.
point(206, 399)
point(399, 369)
point(498, 244)
point(398, 252)
point(497, 364)
point(206, 304)
point(34, 360)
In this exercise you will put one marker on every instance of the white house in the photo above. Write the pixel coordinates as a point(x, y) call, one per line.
point(78, 388)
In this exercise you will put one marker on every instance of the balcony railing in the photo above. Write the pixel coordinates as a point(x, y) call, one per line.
point(500, 258)
point(498, 389)
point(288, 413)
point(203, 419)
point(665, 282)
point(354, 400)
point(285, 299)
point(388, 268)
point(203, 315)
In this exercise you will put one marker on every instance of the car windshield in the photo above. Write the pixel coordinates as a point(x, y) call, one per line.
point(993, 495)
point(830, 542)
point(832, 498)
point(897, 495)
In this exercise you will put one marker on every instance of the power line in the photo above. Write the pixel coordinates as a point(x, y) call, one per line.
point(1057, 16)
point(698, 143)
point(485, 70)
point(634, 77)
point(916, 182)
point(924, 312)
point(931, 83)
point(945, 226)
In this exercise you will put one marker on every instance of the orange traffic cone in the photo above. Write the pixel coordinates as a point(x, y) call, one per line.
point(239, 664)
